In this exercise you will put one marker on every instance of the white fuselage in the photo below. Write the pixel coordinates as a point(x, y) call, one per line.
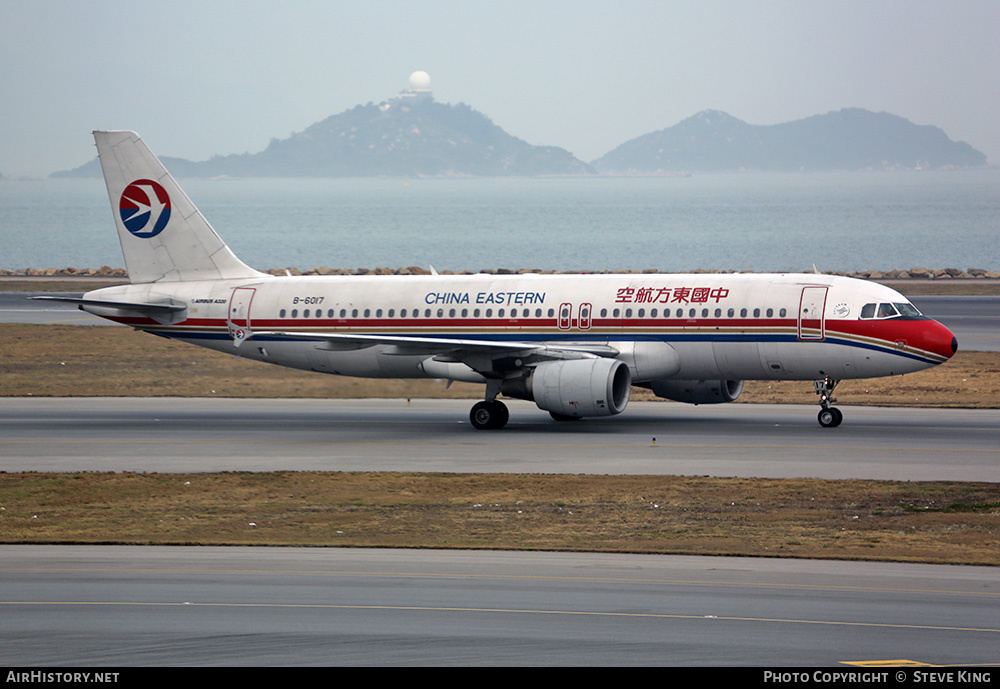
point(715, 326)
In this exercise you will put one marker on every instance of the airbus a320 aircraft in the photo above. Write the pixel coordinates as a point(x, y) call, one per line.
point(573, 344)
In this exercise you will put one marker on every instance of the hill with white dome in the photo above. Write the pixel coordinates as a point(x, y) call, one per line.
point(409, 135)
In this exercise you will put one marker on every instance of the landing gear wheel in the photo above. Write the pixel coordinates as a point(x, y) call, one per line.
point(489, 415)
point(830, 417)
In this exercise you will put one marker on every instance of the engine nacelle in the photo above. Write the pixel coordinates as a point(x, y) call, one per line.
point(576, 387)
point(697, 391)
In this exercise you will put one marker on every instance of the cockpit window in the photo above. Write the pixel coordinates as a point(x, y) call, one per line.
point(907, 309)
point(887, 311)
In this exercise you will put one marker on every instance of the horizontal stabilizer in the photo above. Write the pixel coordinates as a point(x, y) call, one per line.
point(161, 312)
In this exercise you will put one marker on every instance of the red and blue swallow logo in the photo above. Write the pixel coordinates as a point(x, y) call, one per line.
point(144, 208)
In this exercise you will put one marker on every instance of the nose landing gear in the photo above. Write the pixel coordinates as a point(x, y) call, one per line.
point(829, 417)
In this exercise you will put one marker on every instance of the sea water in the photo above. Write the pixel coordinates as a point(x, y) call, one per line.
point(758, 222)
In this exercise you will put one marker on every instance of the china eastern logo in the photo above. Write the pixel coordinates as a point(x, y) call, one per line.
point(145, 208)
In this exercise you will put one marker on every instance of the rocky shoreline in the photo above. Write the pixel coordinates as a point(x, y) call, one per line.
point(899, 274)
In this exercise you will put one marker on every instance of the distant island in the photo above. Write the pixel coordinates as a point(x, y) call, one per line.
point(412, 135)
point(409, 135)
point(849, 139)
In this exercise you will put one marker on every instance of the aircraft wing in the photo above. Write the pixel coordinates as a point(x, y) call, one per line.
point(457, 348)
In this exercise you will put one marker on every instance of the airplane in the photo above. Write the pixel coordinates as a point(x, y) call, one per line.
point(573, 344)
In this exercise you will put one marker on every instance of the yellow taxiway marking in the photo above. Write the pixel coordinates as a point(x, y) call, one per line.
point(504, 611)
point(513, 577)
point(465, 443)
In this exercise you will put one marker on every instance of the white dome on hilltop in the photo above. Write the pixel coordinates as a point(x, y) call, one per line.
point(420, 81)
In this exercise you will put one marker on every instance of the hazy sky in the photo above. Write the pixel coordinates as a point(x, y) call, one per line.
point(198, 78)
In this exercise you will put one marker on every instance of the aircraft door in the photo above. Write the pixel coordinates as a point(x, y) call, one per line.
point(239, 312)
point(812, 319)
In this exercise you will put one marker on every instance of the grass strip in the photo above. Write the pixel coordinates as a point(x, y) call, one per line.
point(932, 522)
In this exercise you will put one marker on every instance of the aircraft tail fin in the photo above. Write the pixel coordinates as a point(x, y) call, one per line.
point(164, 237)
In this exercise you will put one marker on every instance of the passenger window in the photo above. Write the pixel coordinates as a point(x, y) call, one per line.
point(368, 313)
point(743, 313)
point(305, 314)
point(731, 313)
point(770, 312)
point(378, 313)
point(756, 313)
point(604, 313)
point(718, 313)
point(782, 313)
point(392, 313)
point(652, 313)
point(642, 312)
point(281, 314)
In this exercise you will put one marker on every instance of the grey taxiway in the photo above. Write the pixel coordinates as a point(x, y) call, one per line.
point(100, 606)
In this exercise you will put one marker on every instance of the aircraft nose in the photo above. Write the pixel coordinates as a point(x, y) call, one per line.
point(940, 340)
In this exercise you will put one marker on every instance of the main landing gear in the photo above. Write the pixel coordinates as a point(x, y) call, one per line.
point(829, 417)
point(489, 415)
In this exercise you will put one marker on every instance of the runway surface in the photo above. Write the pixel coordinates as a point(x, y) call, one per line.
point(191, 435)
point(975, 320)
point(118, 606)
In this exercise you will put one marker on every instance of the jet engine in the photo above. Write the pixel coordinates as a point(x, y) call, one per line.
point(697, 391)
point(575, 388)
